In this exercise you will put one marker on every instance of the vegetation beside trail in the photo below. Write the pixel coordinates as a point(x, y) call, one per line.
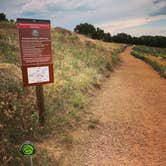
point(80, 64)
point(156, 57)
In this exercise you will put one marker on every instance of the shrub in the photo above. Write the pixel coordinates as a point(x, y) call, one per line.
point(158, 67)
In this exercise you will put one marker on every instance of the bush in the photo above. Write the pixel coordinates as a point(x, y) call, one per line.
point(159, 68)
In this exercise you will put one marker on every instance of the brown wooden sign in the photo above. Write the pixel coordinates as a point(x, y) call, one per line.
point(36, 54)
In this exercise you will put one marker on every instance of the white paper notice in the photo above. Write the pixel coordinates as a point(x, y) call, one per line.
point(38, 74)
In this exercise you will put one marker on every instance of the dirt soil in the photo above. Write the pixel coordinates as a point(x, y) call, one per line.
point(131, 126)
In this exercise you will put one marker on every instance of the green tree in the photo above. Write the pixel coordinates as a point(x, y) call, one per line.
point(122, 38)
point(107, 37)
point(3, 17)
point(86, 29)
point(97, 33)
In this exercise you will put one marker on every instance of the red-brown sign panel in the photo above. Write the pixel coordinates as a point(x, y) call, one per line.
point(36, 54)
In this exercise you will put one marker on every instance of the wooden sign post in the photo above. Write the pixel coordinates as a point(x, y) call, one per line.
point(36, 57)
point(40, 104)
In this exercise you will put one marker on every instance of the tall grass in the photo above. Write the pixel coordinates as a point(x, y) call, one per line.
point(79, 64)
point(154, 51)
point(155, 61)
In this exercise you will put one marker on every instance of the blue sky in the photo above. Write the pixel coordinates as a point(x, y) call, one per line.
point(136, 17)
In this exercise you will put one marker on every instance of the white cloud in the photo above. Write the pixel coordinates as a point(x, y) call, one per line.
point(111, 15)
point(139, 31)
point(44, 5)
point(32, 6)
point(119, 25)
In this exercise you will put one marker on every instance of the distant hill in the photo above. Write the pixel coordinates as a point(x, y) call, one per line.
point(62, 30)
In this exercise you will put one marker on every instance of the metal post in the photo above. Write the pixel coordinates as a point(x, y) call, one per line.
point(31, 160)
point(40, 104)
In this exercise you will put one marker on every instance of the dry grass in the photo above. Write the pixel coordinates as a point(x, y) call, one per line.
point(158, 60)
point(79, 64)
point(156, 57)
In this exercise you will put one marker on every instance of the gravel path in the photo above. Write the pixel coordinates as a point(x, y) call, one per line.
point(131, 108)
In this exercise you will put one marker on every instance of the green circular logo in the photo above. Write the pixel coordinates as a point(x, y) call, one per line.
point(27, 149)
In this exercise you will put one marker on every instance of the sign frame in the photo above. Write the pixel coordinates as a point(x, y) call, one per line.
point(35, 48)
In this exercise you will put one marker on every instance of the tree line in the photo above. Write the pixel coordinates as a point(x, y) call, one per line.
point(97, 33)
point(3, 18)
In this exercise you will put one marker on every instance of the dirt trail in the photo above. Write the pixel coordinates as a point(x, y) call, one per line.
point(131, 107)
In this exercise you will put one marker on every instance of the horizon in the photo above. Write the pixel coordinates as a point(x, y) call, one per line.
point(139, 18)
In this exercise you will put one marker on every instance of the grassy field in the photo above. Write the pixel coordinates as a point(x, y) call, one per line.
point(156, 57)
point(80, 64)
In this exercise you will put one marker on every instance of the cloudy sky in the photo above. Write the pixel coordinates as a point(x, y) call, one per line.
point(136, 17)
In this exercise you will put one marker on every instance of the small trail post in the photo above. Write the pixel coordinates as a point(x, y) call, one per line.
point(36, 57)
point(28, 149)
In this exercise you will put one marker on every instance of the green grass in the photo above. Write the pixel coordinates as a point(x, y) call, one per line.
point(154, 51)
point(8, 52)
point(79, 65)
point(115, 56)
point(141, 52)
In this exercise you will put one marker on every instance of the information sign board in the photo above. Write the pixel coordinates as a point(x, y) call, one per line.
point(36, 54)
